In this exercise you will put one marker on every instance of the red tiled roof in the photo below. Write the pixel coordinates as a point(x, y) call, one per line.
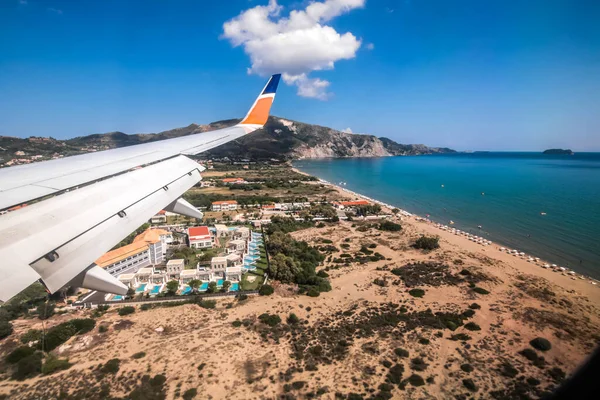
point(225, 202)
point(198, 231)
point(354, 203)
point(228, 180)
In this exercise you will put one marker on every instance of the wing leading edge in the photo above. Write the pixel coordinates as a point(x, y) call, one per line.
point(96, 200)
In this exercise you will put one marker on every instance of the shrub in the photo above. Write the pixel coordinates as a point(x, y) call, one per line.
point(271, 320)
point(424, 340)
point(242, 297)
point(53, 364)
point(322, 274)
point(190, 394)
point(237, 323)
point(209, 304)
point(427, 243)
point(418, 364)
point(18, 354)
point(139, 355)
point(460, 336)
point(540, 344)
point(28, 366)
point(480, 290)
point(380, 282)
point(31, 335)
point(468, 313)
point(111, 366)
point(312, 292)
point(126, 310)
point(557, 374)
point(416, 292)
point(6, 329)
point(57, 336)
point(103, 328)
point(320, 225)
point(416, 380)
point(472, 326)
point(293, 319)
point(145, 307)
point(83, 325)
point(474, 306)
point(467, 368)
point(531, 381)
point(298, 385)
point(45, 310)
point(395, 373)
point(389, 226)
point(469, 384)
point(266, 290)
point(401, 352)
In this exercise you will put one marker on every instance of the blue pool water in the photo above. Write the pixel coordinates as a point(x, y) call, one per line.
point(234, 287)
point(186, 290)
point(155, 289)
point(118, 297)
point(204, 286)
point(517, 188)
point(141, 288)
point(220, 282)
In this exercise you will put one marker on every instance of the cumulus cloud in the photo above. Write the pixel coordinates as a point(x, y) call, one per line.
point(370, 46)
point(296, 44)
point(347, 130)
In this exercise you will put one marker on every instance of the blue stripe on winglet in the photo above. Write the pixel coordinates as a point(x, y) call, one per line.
point(272, 85)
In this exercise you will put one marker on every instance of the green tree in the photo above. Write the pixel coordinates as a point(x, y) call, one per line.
point(283, 268)
point(226, 286)
point(130, 293)
point(212, 287)
point(172, 287)
point(195, 284)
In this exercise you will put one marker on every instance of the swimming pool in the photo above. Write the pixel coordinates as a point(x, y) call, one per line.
point(220, 282)
point(186, 290)
point(141, 288)
point(155, 289)
point(234, 287)
point(118, 297)
point(204, 286)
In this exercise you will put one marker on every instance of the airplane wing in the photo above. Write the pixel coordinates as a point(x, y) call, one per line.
point(84, 205)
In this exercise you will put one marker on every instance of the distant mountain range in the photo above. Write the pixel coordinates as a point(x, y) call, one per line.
point(280, 138)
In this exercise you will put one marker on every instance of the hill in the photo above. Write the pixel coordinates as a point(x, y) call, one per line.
point(280, 138)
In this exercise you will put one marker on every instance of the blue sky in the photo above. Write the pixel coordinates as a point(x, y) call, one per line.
point(466, 74)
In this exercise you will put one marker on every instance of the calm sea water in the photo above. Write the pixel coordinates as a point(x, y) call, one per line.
point(505, 193)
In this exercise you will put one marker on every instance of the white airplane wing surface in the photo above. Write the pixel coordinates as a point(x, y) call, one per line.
point(84, 205)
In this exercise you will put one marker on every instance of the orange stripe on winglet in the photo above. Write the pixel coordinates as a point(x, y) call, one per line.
point(260, 113)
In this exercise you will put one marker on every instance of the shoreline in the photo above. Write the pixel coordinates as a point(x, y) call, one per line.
point(524, 262)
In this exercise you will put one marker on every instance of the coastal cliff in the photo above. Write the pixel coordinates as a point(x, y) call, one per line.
point(280, 138)
point(287, 139)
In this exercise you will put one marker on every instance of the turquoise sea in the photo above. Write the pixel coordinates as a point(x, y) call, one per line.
point(505, 193)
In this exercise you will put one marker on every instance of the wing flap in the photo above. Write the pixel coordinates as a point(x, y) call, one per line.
point(81, 225)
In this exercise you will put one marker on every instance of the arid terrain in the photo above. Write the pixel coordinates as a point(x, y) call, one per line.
point(372, 336)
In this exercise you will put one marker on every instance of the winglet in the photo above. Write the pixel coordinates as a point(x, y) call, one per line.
point(259, 113)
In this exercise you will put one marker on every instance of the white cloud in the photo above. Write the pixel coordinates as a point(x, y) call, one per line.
point(294, 45)
point(370, 46)
point(347, 130)
point(55, 10)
